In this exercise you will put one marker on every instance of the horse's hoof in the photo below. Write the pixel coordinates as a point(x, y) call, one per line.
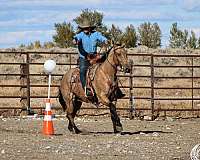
point(77, 131)
point(70, 129)
point(118, 129)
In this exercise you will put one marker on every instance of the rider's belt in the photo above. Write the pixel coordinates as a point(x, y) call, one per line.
point(92, 55)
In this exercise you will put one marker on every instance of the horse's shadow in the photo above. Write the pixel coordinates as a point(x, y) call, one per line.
point(126, 132)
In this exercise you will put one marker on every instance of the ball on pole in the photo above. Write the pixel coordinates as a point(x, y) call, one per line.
point(49, 66)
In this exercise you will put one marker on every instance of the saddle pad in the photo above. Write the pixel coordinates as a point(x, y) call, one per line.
point(92, 71)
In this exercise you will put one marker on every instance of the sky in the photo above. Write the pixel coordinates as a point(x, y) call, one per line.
point(25, 21)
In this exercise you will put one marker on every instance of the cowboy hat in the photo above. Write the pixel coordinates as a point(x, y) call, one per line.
point(86, 24)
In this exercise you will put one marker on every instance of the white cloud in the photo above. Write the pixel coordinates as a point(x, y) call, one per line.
point(85, 3)
point(139, 2)
point(19, 18)
point(40, 18)
point(143, 15)
point(42, 3)
point(191, 5)
point(25, 37)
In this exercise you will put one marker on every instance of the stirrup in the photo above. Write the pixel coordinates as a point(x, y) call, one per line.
point(88, 92)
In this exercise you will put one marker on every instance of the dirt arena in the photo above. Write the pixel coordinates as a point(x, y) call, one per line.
point(169, 139)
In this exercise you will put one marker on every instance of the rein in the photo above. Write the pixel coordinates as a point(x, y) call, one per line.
point(112, 64)
point(115, 67)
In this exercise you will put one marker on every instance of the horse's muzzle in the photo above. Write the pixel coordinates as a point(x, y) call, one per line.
point(126, 69)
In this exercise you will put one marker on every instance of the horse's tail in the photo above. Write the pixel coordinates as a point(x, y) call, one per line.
point(61, 100)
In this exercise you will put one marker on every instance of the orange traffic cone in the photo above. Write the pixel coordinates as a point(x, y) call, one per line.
point(48, 123)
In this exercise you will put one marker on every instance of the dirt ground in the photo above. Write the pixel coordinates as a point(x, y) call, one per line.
point(171, 139)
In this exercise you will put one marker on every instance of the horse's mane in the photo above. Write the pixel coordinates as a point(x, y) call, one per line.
point(114, 46)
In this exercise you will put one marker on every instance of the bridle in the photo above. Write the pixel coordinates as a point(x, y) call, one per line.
point(114, 49)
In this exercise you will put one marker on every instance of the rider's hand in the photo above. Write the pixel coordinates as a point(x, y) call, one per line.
point(93, 59)
point(75, 41)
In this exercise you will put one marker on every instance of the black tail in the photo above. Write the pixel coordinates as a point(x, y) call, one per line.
point(62, 101)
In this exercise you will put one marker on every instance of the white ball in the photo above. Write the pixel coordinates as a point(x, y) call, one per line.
point(49, 66)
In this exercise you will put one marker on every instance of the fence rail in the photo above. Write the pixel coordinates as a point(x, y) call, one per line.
point(26, 85)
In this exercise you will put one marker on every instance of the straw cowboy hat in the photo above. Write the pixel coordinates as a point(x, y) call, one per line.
point(86, 24)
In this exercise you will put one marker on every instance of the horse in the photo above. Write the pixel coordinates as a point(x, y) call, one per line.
point(71, 93)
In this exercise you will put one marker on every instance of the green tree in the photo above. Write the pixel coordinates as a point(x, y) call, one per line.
point(22, 46)
point(30, 46)
point(49, 45)
point(184, 39)
point(115, 34)
point(37, 45)
point(174, 36)
point(64, 35)
point(93, 17)
point(192, 41)
point(144, 34)
point(198, 43)
point(178, 38)
point(155, 36)
point(104, 30)
point(149, 35)
point(130, 37)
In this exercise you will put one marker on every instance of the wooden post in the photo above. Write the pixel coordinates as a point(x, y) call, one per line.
point(131, 104)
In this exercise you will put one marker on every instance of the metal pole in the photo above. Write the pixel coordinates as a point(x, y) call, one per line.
point(28, 83)
point(192, 82)
point(70, 60)
point(49, 84)
point(152, 87)
point(131, 90)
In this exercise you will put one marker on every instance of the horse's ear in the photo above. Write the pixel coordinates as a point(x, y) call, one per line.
point(112, 42)
point(123, 45)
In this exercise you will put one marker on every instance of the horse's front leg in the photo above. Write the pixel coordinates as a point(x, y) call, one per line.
point(117, 126)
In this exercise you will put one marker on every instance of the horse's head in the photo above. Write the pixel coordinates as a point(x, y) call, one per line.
point(120, 53)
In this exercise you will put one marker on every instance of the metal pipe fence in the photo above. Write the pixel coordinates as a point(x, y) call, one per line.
point(25, 85)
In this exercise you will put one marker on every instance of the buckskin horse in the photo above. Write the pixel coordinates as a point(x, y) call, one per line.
point(71, 93)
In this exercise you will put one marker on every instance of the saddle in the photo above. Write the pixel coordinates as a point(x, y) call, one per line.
point(93, 58)
point(75, 78)
point(89, 78)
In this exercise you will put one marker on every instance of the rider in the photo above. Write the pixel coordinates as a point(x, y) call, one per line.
point(87, 40)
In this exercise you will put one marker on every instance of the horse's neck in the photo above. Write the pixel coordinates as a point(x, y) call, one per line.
point(110, 66)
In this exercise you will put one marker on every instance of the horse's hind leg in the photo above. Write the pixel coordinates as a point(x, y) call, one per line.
point(71, 113)
point(76, 106)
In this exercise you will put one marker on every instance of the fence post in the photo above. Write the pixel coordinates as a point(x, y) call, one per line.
point(25, 85)
point(152, 86)
point(70, 60)
point(23, 100)
point(131, 90)
point(28, 83)
point(192, 82)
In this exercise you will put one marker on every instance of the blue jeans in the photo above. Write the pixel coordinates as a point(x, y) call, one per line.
point(83, 65)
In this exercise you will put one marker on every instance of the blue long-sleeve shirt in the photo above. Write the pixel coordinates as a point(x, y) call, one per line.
point(88, 42)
